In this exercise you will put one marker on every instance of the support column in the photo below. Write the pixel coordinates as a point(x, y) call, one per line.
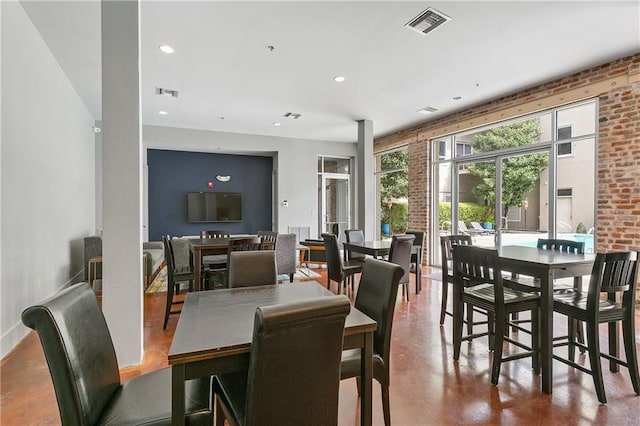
point(122, 290)
point(365, 205)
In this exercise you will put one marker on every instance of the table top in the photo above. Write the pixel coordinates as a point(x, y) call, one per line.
point(551, 258)
point(219, 323)
point(375, 245)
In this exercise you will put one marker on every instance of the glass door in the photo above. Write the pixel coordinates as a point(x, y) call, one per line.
point(473, 212)
point(335, 204)
point(523, 196)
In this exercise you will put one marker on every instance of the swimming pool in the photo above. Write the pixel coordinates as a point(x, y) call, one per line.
point(531, 240)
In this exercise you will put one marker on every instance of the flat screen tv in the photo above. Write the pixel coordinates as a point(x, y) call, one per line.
point(214, 207)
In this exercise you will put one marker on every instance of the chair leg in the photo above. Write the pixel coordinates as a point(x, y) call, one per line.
point(418, 278)
point(219, 413)
point(167, 309)
point(571, 337)
point(628, 334)
point(385, 402)
point(290, 278)
point(497, 349)
point(443, 305)
point(469, 319)
point(535, 343)
point(457, 328)
point(593, 339)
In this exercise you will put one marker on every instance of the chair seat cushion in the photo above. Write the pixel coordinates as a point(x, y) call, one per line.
point(350, 365)
point(352, 266)
point(232, 389)
point(146, 400)
point(214, 259)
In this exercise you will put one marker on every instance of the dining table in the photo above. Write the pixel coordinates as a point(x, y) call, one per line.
point(215, 330)
point(546, 265)
point(377, 249)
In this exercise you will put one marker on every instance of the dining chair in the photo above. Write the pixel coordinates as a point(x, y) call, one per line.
point(250, 268)
point(214, 261)
point(400, 254)
point(83, 366)
point(478, 282)
point(416, 257)
point(354, 236)
point(175, 276)
point(286, 259)
point(220, 274)
point(446, 244)
point(530, 284)
point(338, 270)
point(376, 298)
point(267, 240)
point(610, 299)
point(294, 367)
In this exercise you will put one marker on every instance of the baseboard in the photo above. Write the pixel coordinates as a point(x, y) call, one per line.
point(17, 332)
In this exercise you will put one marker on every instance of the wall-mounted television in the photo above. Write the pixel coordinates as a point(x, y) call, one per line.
point(214, 207)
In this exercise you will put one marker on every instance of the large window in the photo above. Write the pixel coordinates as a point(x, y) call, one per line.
point(392, 181)
point(521, 180)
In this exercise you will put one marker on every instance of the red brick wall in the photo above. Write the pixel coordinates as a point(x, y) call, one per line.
point(618, 163)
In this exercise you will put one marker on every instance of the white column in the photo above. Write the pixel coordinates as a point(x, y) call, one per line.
point(122, 294)
point(365, 206)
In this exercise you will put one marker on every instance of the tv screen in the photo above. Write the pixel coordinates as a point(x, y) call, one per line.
point(214, 207)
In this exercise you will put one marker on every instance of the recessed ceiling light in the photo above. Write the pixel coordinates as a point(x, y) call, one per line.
point(338, 79)
point(457, 98)
point(163, 112)
point(165, 48)
point(276, 124)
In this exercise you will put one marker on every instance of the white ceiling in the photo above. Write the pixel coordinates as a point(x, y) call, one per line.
point(223, 68)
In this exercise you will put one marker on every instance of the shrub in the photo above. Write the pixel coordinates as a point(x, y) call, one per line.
point(467, 212)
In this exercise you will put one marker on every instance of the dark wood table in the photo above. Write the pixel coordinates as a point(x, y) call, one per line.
point(199, 247)
point(215, 330)
point(546, 265)
point(372, 248)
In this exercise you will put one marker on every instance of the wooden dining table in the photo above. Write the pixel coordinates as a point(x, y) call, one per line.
point(546, 265)
point(215, 330)
point(372, 248)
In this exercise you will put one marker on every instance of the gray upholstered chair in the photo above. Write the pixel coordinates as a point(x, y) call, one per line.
point(83, 365)
point(286, 254)
point(294, 367)
point(176, 275)
point(249, 268)
point(376, 298)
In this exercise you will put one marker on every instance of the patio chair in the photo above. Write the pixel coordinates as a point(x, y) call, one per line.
point(479, 229)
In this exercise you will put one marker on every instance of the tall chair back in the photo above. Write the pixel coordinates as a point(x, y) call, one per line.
point(79, 351)
point(400, 254)
point(286, 260)
point(354, 236)
point(416, 257)
point(446, 243)
point(214, 234)
point(250, 268)
point(567, 246)
point(334, 260)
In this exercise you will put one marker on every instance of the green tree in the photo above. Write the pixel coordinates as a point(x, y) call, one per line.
point(519, 173)
point(394, 184)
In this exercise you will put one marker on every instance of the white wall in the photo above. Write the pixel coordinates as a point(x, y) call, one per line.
point(48, 174)
point(296, 164)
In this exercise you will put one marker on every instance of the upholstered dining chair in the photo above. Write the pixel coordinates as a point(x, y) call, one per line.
point(416, 257)
point(294, 367)
point(249, 268)
point(286, 260)
point(338, 270)
point(478, 282)
point(354, 236)
point(176, 275)
point(84, 369)
point(400, 254)
point(376, 297)
point(610, 299)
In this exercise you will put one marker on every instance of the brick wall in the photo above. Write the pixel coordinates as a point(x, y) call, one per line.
point(618, 163)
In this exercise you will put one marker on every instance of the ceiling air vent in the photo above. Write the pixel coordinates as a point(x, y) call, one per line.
point(293, 115)
point(427, 21)
point(166, 92)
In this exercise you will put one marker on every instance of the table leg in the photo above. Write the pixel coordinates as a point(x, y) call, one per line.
point(196, 260)
point(177, 394)
point(546, 330)
point(366, 373)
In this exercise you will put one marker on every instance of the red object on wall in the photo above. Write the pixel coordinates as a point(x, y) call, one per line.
point(209, 185)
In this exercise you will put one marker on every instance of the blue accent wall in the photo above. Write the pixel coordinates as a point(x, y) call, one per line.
point(172, 174)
